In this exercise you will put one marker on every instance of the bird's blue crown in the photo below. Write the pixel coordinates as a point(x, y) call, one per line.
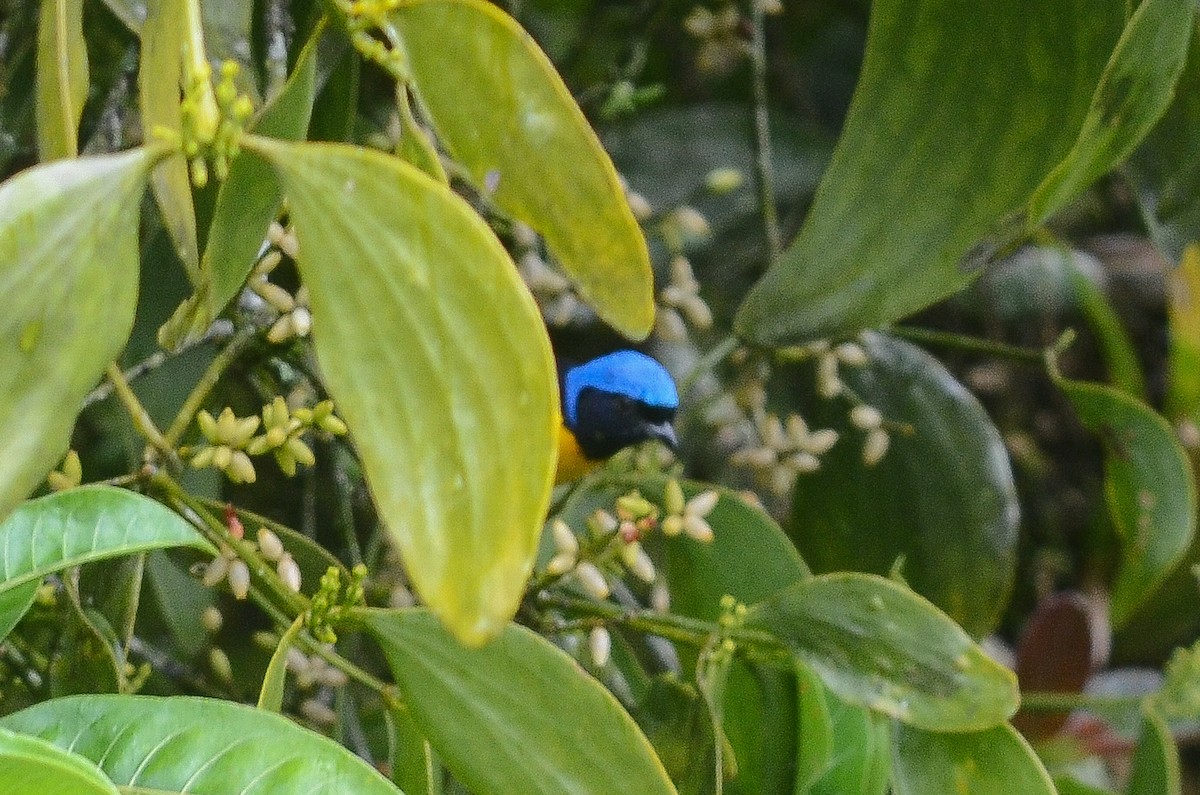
point(628, 373)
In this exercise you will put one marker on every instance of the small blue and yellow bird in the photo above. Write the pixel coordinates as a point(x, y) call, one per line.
point(610, 403)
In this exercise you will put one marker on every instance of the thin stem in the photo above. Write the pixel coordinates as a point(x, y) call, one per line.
point(208, 380)
point(962, 342)
point(137, 412)
point(219, 330)
point(710, 360)
point(763, 167)
point(1066, 702)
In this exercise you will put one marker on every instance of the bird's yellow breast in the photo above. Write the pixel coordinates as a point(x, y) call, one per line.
point(572, 463)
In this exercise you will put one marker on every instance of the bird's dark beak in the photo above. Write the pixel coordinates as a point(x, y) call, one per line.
point(663, 432)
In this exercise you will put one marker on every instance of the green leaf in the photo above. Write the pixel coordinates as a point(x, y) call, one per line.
point(879, 645)
point(440, 365)
point(489, 711)
point(678, 724)
point(197, 745)
point(862, 760)
point(942, 497)
point(993, 762)
point(15, 603)
point(413, 767)
point(504, 114)
point(68, 274)
point(815, 748)
point(1120, 357)
point(1148, 486)
point(1154, 769)
point(248, 200)
point(82, 525)
point(131, 13)
point(270, 697)
point(1134, 91)
point(1065, 785)
point(1164, 171)
point(34, 767)
point(927, 164)
point(163, 39)
point(62, 78)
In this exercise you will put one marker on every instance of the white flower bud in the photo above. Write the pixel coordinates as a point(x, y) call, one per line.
point(697, 311)
point(564, 538)
point(318, 712)
point(600, 646)
point(672, 525)
point(269, 544)
point(211, 619)
point(638, 562)
point(639, 206)
point(239, 579)
point(865, 417)
point(697, 528)
point(400, 597)
point(301, 321)
point(279, 299)
point(560, 564)
point(770, 428)
point(289, 572)
point(692, 221)
point(218, 663)
point(828, 383)
point(820, 442)
point(804, 462)
point(875, 447)
point(851, 353)
point(702, 504)
point(673, 499)
point(332, 677)
point(723, 180)
point(215, 571)
point(591, 579)
point(660, 597)
point(669, 325)
point(782, 480)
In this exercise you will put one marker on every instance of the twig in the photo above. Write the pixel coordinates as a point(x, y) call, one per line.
point(763, 168)
point(208, 380)
point(137, 412)
point(963, 342)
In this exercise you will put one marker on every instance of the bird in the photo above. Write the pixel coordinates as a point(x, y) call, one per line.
point(610, 403)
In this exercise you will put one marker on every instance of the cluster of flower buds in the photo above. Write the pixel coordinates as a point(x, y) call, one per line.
point(788, 449)
point(227, 566)
point(68, 475)
point(312, 671)
point(681, 300)
point(332, 599)
point(212, 123)
point(688, 516)
point(283, 427)
point(227, 437)
point(719, 34)
point(271, 548)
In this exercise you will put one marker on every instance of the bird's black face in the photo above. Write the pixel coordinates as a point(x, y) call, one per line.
point(606, 422)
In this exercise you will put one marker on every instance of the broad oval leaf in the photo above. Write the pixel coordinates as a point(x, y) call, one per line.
point(1148, 486)
point(942, 498)
point(489, 711)
point(504, 113)
point(68, 274)
point(993, 762)
point(163, 35)
point(82, 525)
point(1134, 91)
point(877, 644)
point(32, 766)
point(440, 365)
point(62, 78)
point(197, 745)
point(928, 163)
point(815, 748)
point(15, 603)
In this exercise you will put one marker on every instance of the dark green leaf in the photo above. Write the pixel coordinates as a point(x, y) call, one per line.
point(438, 359)
point(928, 164)
point(504, 113)
point(85, 524)
point(1115, 344)
point(879, 645)
point(942, 497)
point(1182, 400)
point(1165, 171)
point(1148, 486)
point(413, 767)
point(489, 712)
point(198, 745)
point(1065, 785)
point(62, 78)
point(1134, 91)
point(270, 697)
point(677, 723)
point(993, 762)
point(34, 767)
point(1155, 766)
point(68, 274)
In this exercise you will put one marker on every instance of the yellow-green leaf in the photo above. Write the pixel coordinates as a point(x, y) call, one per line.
point(62, 78)
point(163, 36)
point(504, 114)
point(440, 364)
point(68, 278)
